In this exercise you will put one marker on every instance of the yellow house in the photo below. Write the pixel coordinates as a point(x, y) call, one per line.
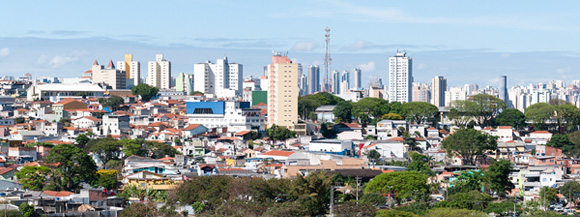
point(150, 180)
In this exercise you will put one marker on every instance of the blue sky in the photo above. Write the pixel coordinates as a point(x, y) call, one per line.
point(465, 41)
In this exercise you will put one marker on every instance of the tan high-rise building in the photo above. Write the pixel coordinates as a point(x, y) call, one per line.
point(438, 88)
point(283, 92)
point(131, 68)
point(159, 72)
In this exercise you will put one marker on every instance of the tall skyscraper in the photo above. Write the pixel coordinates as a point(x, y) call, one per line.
point(303, 84)
point(503, 94)
point(313, 79)
point(219, 78)
point(344, 82)
point(336, 82)
point(421, 93)
point(159, 72)
point(132, 69)
point(357, 78)
point(438, 88)
point(183, 82)
point(400, 77)
point(114, 78)
point(283, 91)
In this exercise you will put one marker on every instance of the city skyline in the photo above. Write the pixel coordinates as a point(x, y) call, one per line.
point(463, 43)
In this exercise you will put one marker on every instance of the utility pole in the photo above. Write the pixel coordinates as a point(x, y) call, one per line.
point(357, 184)
point(331, 200)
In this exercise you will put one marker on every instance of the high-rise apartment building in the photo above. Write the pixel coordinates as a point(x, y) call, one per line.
point(438, 88)
point(282, 91)
point(313, 79)
point(336, 82)
point(303, 84)
point(159, 72)
point(400, 77)
point(503, 94)
point(357, 78)
point(183, 82)
point(221, 78)
point(344, 82)
point(421, 93)
point(114, 78)
point(132, 70)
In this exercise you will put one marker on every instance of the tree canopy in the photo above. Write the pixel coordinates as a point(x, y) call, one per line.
point(420, 112)
point(343, 111)
point(481, 107)
point(145, 91)
point(539, 113)
point(33, 177)
point(73, 167)
point(400, 185)
point(276, 132)
point(497, 176)
point(469, 144)
point(511, 117)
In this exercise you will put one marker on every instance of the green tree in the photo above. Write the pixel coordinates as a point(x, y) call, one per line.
point(420, 163)
point(487, 108)
point(575, 139)
point(369, 108)
point(374, 198)
point(32, 177)
point(74, 167)
point(391, 116)
point(469, 144)
point(445, 212)
point(471, 180)
point(133, 147)
point(511, 117)
point(400, 185)
point(306, 106)
point(19, 120)
point(106, 178)
point(539, 113)
point(499, 209)
point(140, 210)
point(107, 148)
point(27, 210)
point(420, 112)
point(563, 142)
point(114, 102)
point(497, 176)
point(160, 150)
point(145, 91)
point(373, 155)
point(278, 133)
point(567, 116)
point(571, 190)
point(394, 213)
point(548, 195)
point(327, 131)
point(312, 192)
point(461, 112)
point(472, 200)
point(82, 139)
point(343, 110)
point(352, 208)
point(213, 189)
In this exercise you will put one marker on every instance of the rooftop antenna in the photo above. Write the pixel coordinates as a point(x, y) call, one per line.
point(327, 61)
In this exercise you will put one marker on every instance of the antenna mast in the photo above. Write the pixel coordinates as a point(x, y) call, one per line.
point(327, 61)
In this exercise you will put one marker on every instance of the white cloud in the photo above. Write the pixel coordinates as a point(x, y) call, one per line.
point(305, 46)
point(421, 66)
point(358, 45)
point(58, 61)
point(55, 62)
point(564, 70)
point(368, 67)
point(4, 52)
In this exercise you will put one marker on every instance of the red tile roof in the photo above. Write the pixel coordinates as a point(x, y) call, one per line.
point(279, 153)
point(4, 170)
point(399, 139)
point(58, 193)
point(243, 133)
point(191, 126)
point(541, 132)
